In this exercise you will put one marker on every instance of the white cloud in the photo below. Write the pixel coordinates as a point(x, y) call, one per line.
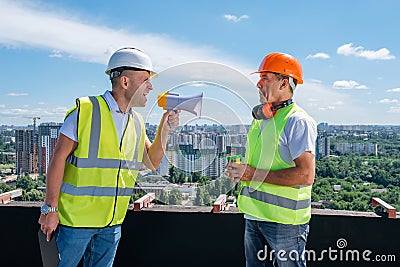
point(359, 51)
point(395, 109)
point(2, 106)
point(388, 101)
point(361, 87)
point(348, 85)
point(16, 112)
point(338, 103)
point(24, 26)
point(318, 56)
point(394, 90)
point(56, 112)
point(56, 54)
point(327, 105)
point(17, 94)
point(327, 108)
point(234, 18)
point(338, 107)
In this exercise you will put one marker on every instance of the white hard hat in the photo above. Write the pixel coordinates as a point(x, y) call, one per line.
point(129, 58)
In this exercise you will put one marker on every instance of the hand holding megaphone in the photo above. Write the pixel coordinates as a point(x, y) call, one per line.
point(173, 101)
point(172, 119)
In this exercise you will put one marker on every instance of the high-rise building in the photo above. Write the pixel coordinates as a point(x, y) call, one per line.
point(24, 140)
point(204, 151)
point(323, 146)
point(221, 143)
point(371, 148)
point(48, 136)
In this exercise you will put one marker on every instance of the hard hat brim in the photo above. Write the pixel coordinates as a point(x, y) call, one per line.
point(299, 81)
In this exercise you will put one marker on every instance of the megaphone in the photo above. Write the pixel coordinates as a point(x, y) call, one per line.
point(173, 101)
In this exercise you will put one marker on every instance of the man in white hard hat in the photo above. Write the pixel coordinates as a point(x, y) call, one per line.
point(91, 175)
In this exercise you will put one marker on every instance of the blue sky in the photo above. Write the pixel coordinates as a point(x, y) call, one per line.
point(52, 52)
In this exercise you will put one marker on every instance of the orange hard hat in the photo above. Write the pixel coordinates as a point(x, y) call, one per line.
point(283, 64)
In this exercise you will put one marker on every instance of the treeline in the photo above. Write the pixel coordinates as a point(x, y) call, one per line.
point(347, 182)
point(382, 171)
point(358, 178)
point(207, 189)
point(208, 192)
point(388, 142)
point(30, 191)
point(6, 147)
point(6, 159)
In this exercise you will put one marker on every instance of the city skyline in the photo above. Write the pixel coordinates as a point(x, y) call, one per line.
point(196, 148)
point(55, 51)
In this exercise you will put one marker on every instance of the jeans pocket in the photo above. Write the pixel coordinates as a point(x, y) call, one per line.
point(304, 230)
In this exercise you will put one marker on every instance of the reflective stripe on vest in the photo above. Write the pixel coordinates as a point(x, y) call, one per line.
point(95, 191)
point(275, 200)
point(281, 204)
point(100, 174)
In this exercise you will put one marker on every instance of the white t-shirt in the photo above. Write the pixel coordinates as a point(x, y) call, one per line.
point(298, 136)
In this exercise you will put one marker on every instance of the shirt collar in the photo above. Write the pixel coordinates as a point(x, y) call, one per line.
point(112, 104)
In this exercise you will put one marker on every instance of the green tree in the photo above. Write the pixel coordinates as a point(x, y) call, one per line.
point(25, 182)
point(207, 198)
point(195, 177)
point(34, 195)
point(172, 172)
point(181, 178)
point(5, 187)
point(163, 198)
point(175, 197)
point(229, 187)
point(203, 180)
point(315, 197)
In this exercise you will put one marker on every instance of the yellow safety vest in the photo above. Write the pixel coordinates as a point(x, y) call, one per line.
point(281, 204)
point(100, 174)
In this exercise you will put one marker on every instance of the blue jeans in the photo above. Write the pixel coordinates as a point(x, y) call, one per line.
point(97, 245)
point(286, 244)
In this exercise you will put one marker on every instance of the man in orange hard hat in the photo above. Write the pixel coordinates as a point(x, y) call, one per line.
point(279, 169)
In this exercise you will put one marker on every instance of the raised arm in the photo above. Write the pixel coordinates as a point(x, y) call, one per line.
point(154, 152)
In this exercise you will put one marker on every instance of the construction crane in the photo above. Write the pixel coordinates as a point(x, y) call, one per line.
point(35, 141)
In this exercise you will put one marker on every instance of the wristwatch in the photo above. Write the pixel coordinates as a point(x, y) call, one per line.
point(46, 209)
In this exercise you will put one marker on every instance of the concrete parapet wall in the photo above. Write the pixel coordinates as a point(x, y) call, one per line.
point(172, 236)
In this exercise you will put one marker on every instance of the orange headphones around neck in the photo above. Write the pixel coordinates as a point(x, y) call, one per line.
point(267, 111)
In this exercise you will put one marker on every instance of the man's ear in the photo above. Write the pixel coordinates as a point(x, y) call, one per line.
point(285, 82)
point(124, 81)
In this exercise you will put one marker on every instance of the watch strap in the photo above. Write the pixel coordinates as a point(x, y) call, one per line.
point(53, 209)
